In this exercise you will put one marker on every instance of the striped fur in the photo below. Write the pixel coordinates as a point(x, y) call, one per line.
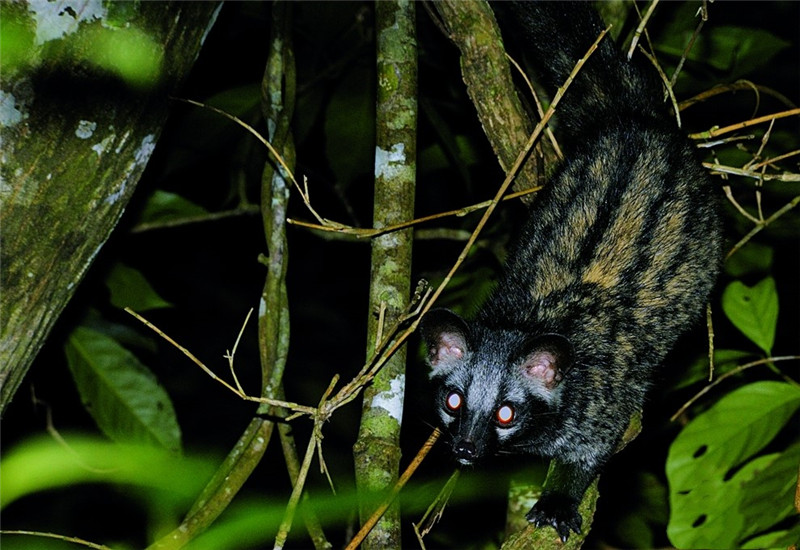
point(618, 256)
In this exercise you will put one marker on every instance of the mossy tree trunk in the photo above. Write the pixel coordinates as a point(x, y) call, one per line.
point(488, 78)
point(377, 451)
point(78, 123)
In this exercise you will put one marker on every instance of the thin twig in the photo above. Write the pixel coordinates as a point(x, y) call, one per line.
point(710, 327)
point(739, 207)
point(721, 168)
point(229, 355)
point(288, 173)
point(640, 28)
point(667, 84)
point(703, 10)
point(538, 104)
point(401, 482)
point(297, 490)
point(788, 206)
point(298, 409)
point(436, 509)
point(735, 86)
point(773, 160)
point(369, 232)
point(737, 370)
point(713, 132)
point(74, 540)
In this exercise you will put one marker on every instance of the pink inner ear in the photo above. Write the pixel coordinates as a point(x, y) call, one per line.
point(541, 365)
point(450, 347)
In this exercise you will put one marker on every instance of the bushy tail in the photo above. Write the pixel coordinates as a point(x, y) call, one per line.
point(557, 35)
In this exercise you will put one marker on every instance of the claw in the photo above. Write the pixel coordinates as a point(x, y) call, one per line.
point(558, 512)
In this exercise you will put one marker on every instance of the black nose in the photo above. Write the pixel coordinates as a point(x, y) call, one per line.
point(465, 451)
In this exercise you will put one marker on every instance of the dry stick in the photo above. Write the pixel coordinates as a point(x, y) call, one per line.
point(764, 141)
point(729, 194)
point(297, 490)
point(710, 327)
point(640, 28)
point(368, 232)
point(713, 132)
point(667, 85)
point(229, 355)
point(721, 168)
point(298, 409)
point(512, 173)
point(244, 210)
point(268, 145)
point(291, 507)
point(773, 160)
point(734, 86)
point(728, 374)
point(401, 482)
point(788, 206)
point(703, 18)
point(538, 104)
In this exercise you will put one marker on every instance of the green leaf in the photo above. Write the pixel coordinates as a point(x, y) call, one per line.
point(706, 492)
point(751, 258)
point(120, 393)
point(164, 207)
point(130, 289)
point(42, 463)
point(775, 539)
point(753, 310)
point(768, 498)
point(732, 49)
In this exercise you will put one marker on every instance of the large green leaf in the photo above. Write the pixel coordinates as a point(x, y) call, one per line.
point(130, 289)
point(120, 393)
point(732, 49)
point(43, 463)
point(709, 463)
point(774, 485)
point(753, 310)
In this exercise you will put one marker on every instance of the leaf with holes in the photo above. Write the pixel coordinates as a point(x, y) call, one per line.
point(753, 310)
point(776, 484)
point(710, 460)
point(122, 395)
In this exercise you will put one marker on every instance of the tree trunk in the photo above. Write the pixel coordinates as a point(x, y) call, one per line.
point(487, 76)
point(78, 124)
point(377, 451)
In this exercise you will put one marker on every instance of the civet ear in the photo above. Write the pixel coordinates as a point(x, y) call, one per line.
point(545, 359)
point(446, 336)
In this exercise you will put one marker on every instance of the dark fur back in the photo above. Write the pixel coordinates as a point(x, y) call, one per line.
point(554, 35)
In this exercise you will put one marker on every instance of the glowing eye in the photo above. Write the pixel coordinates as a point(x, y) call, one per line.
point(505, 415)
point(454, 401)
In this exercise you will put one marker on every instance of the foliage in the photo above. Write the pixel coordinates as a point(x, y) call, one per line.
point(120, 393)
point(717, 479)
point(192, 242)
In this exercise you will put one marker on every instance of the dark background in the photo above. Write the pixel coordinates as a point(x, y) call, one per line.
point(209, 271)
